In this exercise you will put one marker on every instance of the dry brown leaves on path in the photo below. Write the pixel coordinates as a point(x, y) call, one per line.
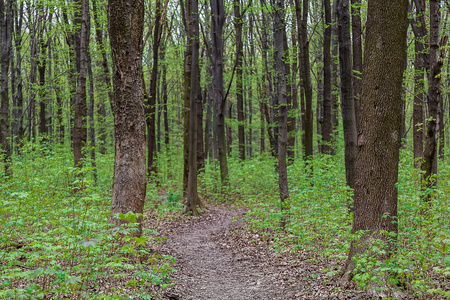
point(218, 259)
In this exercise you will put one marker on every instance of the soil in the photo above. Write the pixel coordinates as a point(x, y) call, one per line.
point(218, 259)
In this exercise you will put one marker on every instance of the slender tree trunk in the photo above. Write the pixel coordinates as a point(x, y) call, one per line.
point(375, 198)
point(239, 85)
point(42, 88)
point(126, 27)
point(335, 74)
point(434, 97)
point(347, 100)
point(217, 23)
point(279, 36)
point(327, 125)
point(302, 22)
point(5, 52)
point(193, 201)
point(17, 124)
point(91, 117)
point(293, 107)
point(79, 124)
point(186, 93)
point(199, 111)
point(105, 80)
point(357, 52)
point(151, 104)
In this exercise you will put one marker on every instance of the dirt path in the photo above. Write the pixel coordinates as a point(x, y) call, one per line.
point(209, 269)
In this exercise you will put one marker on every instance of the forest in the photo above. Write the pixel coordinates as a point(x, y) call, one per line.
point(224, 149)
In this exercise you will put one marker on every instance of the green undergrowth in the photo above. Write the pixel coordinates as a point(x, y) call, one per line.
point(55, 239)
point(320, 225)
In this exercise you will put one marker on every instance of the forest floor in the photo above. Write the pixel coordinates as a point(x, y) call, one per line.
point(219, 259)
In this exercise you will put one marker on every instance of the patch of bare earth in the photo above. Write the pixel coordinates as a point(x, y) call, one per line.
point(217, 260)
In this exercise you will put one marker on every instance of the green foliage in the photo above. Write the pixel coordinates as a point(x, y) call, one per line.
point(56, 241)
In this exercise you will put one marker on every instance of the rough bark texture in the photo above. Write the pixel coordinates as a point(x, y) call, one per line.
point(347, 100)
point(279, 34)
point(5, 51)
point(327, 126)
point(293, 106)
point(429, 164)
point(126, 23)
point(375, 198)
point(217, 22)
point(79, 122)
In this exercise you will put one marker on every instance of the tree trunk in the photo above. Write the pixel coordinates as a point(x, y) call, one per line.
point(126, 27)
point(239, 86)
point(42, 88)
point(293, 108)
point(279, 36)
point(357, 52)
point(302, 23)
point(327, 125)
point(429, 165)
point(186, 93)
point(193, 202)
point(105, 80)
point(347, 100)
point(151, 104)
point(79, 124)
point(217, 22)
point(5, 52)
point(17, 122)
point(375, 198)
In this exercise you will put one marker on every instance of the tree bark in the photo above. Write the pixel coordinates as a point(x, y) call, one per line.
point(429, 165)
point(217, 23)
point(302, 22)
point(5, 52)
point(375, 198)
point(193, 202)
point(357, 52)
point(126, 24)
point(279, 36)
point(327, 126)
point(347, 99)
point(79, 123)
point(239, 85)
point(17, 122)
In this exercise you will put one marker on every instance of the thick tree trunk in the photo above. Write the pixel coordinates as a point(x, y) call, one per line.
point(217, 23)
point(5, 52)
point(327, 125)
point(129, 183)
point(429, 165)
point(79, 124)
point(375, 198)
point(347, 99)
